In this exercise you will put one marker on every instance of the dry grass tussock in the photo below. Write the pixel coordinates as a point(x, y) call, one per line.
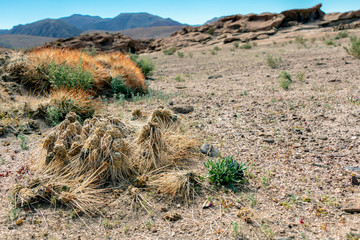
point(81, 161)
point(38, 68)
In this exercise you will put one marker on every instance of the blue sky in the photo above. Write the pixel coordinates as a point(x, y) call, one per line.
point(186, 11)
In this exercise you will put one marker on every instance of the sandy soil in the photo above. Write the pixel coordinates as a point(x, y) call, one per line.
point(297, 144)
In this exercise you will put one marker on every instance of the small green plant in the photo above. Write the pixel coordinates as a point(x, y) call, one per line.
point(252, 199)
point(254, 44)
point(170, 51)
point(180, 54)
point(354, 49)
point(213, 52)
point(225, 171)
point(300, 76)
point(301, 40)
point(203, 52)
point(329, 42)
point(274, 42)
point(216, 48)
point(273, 62)
point(118, 87)
point(146, 65)
point(246, 46)
point(191, 55)
point(354, 100)
point(313, 40)
point(65, 76)
point(232, 49)
point(342, 34)
point(23, 142)
point(211, 31)
point(235, 227)
point(178, 78)
point(236, 44)
point(285, 80)
point(2, 161)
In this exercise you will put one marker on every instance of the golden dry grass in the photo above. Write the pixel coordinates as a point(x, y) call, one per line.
point(108, 152)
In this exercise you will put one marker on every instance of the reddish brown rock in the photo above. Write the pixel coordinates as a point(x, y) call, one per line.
point(104, 42)
point(302, 15)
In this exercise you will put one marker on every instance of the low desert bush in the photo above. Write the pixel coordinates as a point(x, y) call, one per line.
point(342, 34)
point(66, 76)
point(180, 54)
point(146, 65)
point(285, 80)
point(273, 62)
point(63, 101)
point(300, 39)
point(245, 46)
point(236, 44)
point(354, 48)
point(170, 51)
point(225, 171)
point(329, 42)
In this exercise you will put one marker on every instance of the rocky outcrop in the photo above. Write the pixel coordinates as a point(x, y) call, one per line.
point(100, 42)
point(338, 19)
point(238, 28)
point(302, 15)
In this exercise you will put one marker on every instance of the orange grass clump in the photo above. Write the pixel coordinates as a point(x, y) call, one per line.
point(32, 68)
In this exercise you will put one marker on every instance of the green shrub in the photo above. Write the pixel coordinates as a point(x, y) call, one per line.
point(216, 48)
point(211, 31)
point(300, 39)
point(236, 44)
point(146, 65)
point(245, 46)
point(213, 52)
point(225, 171)
point(180, 54)
point(354, 48)
point(118, 87)
point(273, 62)
point(191, 55)
point(255, 44)
point(65, 101)
point(65, 76)
point(285, 80)
point(178, 78)
point(170, 51)
point(300, 76)
point(329, 42)
point(342, 34)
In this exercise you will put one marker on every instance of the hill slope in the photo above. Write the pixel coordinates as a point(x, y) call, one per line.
point(47, 28)
point(23, 41)
point(132, 20)
point(83, 22)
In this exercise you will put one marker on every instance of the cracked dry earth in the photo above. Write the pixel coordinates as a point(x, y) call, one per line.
point(299, 144)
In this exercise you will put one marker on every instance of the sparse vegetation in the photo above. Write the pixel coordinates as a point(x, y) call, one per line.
point(170, 51)
point(329, 42)
point(179, 78)
point(236, 45)
point(301, 40)
point(300, 76)
point(246, 46)
point(180, 54)
point(354, 48)
point(273, 62)
point(285, 80)
point(225, 171)
point(146, 65)
point(342, 34)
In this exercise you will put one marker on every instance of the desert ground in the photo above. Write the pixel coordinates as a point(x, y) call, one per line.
point(301, 146)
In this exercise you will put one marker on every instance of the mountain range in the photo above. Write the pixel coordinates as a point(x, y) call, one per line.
point(76, 24)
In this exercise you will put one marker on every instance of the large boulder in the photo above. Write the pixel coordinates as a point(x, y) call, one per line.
point(302, 15)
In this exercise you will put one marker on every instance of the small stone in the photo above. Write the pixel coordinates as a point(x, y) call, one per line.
point(269, 140)
point(352, 207)
point(207, 204)
point(322, 137)
point(171, 103)
point(183, 109)
point(210, 150)
point(172, 217)
point(355, 180)
point(5, 143)
point(2, 131)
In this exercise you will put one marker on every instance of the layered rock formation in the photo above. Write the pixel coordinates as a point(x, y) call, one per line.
point(100, 42)
point(225, 30)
